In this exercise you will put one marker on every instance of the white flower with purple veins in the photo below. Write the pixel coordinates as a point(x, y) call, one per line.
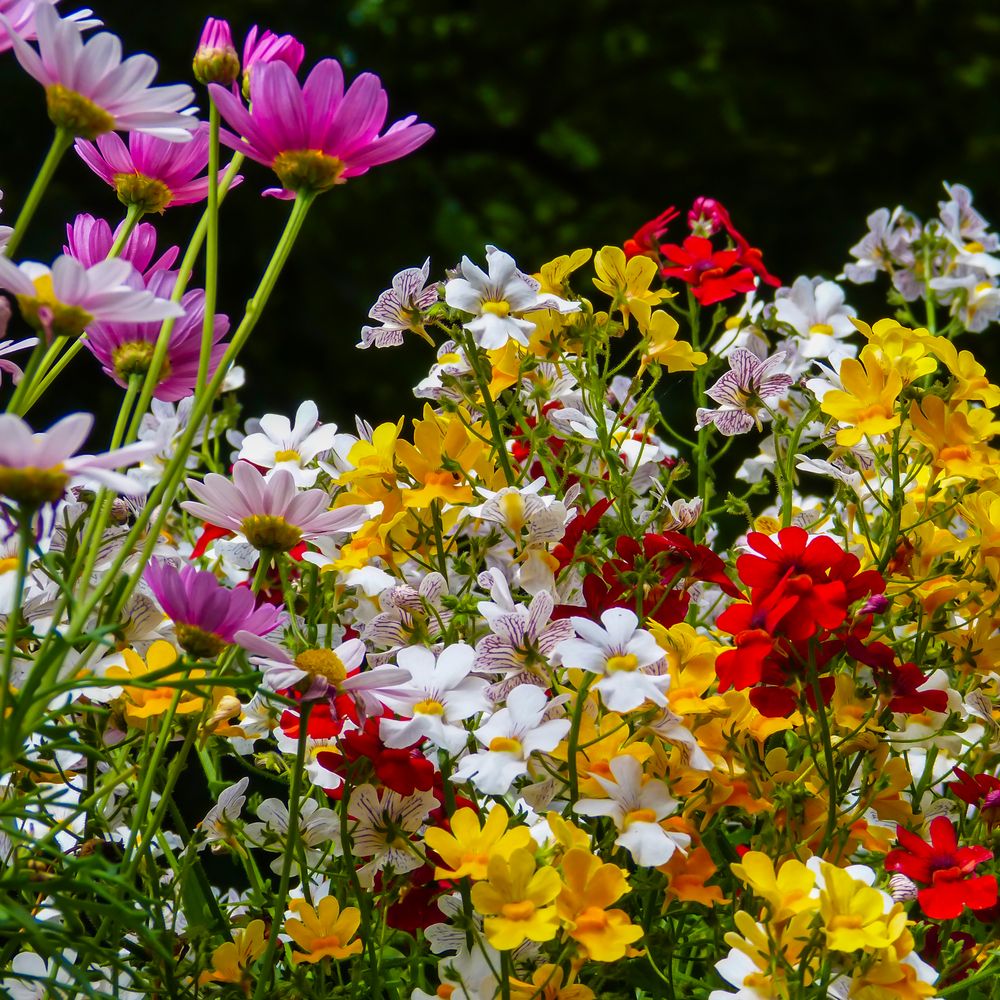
point(743, 391)
point(498, 300)
point(886, 243)
point(401, 308)
point(962, 222)
point(636, 809)
point(623, 654)
point(380, 829)
point(218, 826)
point(510, 737)
point(38, 468)
point(318, 830)
point(280, 445)
point(451, 363)
point(815, 310)
point(409, 615)
point(439, 697)
point(10, 346)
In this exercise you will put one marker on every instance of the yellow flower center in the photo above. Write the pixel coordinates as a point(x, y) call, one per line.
point(500, 308)
point(439, 479)
point(974, 247)
point(31, 486)
point(821, 328)
point(639, 816)
point(198, 642)
point(513, 510)
point(428, 707)
point(8, 565)
point(307, 170)
point(627, 662)
point(135, 357)
point(522, 910)
point(322, 663)
point(287, 455)
point(147, 193)
point(62, 320)
point(505, 744)
point(592, 919)
point(76, 113)
point(270, 531)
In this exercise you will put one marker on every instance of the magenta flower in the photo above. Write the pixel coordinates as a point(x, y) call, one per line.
point(207, 615)
point(315, 136)
point(20, 16)
point(152, 173)
point(215, 60)
point(126, 349)
point(270, 513)
point(269, 48)
point(89, 240)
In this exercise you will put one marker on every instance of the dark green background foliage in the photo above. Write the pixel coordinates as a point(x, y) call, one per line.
point(562, 125)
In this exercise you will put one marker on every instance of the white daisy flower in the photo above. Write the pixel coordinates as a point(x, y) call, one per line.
point(280, 445)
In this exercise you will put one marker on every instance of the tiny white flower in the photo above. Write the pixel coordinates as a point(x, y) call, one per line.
point(280, 445)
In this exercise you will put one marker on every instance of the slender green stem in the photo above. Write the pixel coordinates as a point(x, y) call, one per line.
point(499, 441)
point(131, 220)
point(61, 142)
point(35, 362)
point(211, 246)
point(266, 966)
point(574, 738)
point(24, 539)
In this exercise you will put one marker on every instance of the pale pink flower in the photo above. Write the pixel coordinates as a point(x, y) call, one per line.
point(270, 513)
point(90, 90)
point(315, 136)
point(89, 240)
point(10, 346)
point(20, 15)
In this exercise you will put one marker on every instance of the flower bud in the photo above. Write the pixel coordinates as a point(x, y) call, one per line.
point(269, 47)
point(216, 60)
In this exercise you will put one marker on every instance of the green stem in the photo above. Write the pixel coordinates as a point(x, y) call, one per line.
point(499, 441)
point(39, 354)
point(61, 142)
point(24, 538)
point(132, 217)
point(211, 247)
point(574, 738)
point(266, 966)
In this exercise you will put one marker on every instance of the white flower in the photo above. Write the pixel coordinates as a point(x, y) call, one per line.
point(34, 978)
point(511, 736)
point(401, 308)
point(636, 810)
point(887, 242)
point(318, 830)
point(499, 299)
point(743, 391)
point(217, 826)
point(279, 445)
point(815, 310)
point(621, 653)
point(439, 696)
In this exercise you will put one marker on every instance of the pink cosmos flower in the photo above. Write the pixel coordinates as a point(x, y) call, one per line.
point(10, 346)
point(315, 136)
point(270, 513)
point(215, 60)
point(207, 616)
point(89, 240)
point(151, 172)
point(38, 468)
point(89, 90)
point(268, 48)
point(20, 15)
point(125, 349)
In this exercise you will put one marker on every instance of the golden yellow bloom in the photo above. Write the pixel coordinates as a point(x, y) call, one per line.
point(970, 376)
point(787, 891)
point(143, 703)
point(231, 961)
point(909, 352)
point(325, 931)
point(688, 875)
point(627, 283)
point(662, 345)
point(469, 847)
point(554, 276)
point(691, 660)
point(597, 745)
point(516, 901)
point(547, 984)
point(957, 437)
point(590, 888)
point(854, 914)
point(762, 946)
point(506, 367)
point(868, 401)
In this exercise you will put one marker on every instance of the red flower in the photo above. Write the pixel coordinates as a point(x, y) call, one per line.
point(947, 871)
point(708, 271)
point(980, 790)
point(403, 771)
point(648, 234)
point(582, 524)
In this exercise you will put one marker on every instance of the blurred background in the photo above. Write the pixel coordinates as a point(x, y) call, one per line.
point(559, 125)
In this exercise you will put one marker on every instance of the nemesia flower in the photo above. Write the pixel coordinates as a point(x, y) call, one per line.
point(318, 830)
point(401, 308)
point(325, 931)
point(89, 240)
point(152, 173)
point(233, 961)
point(280, 445)
point(867, 403)
point(815, 310)
point(468, 845)
point(89, 90)
point(215, 59)
point(748, 387)
point(315, 135)
point(268, 512)
point(126, 349)
point(499, 300)
point(145, 703)
point(207, 616)
point(39, 468)
point(268, 47)
point(218, 825)
point(9, 347)
point(66, 299)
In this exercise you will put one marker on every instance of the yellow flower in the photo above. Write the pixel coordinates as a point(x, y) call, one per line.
point(142, 703)
point(469, 847)
point(567, 834)
point(957, 437)
point(787, 891)
point(662, 345)
point(868, 401)
point(909, 352)
point(547, 984)
point(627, 283)
point(231, 961)
point(763, 946)
point(515, 900)
point(590, 888)
point(506, 366)
point(597, 745)
point(854, 913)
point(324, 931)
point(970, 376)
point(553, 276)
point(688, 875)
point(691, 661)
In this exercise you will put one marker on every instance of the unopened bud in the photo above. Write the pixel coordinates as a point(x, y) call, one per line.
point(216, 60)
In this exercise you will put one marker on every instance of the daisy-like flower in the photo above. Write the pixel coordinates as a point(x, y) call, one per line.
point(499, 300)
point(401, 308)
point(38, 468)
point(89, 240)
point(280, 445)
point(89, 90)
point(10, 346)
point(207, 616)
point(622, 654)
point(269, 513)
point(152, 173)
point(511, 736)
point(20, 15)
point(439, 697)
point(744, 391)
point(384, 824)
point(266, 47)
point(636, 808)
point(67, 298)
point(125, 349)
point(315, 136)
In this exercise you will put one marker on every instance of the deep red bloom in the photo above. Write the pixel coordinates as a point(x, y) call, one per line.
point(980, 790)
point(708, 271)
point(582, 524)
point(403, 770)
point(648, 234)
point(945, 869)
